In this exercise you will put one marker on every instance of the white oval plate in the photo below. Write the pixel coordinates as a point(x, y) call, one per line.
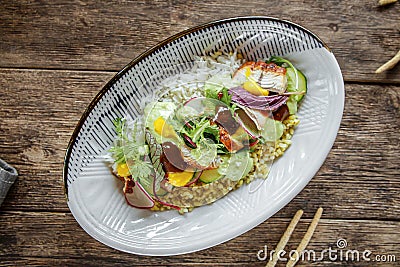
point(95, 196)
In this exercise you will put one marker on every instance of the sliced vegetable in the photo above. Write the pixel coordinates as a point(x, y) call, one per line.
point(160, 188)
point(245, 98)
point(147, 185)
point(255, 89)
point(292, 106)
point(136, 196)
point(237, 166)
point(209, 176)
point(299, 87)
point(163, 128)
point(179, 178)
point(273, 130)
point(123, 170)
point(154, 111)
point(196, 176)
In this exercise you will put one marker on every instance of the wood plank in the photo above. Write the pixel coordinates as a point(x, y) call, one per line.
point(106, 36)
point(41, 109)
point(47, 238)
point(39, 112)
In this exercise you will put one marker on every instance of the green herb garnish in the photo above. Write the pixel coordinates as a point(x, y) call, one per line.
point(128, 150)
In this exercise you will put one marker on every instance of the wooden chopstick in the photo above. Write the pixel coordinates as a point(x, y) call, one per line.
point(390, 64)
point(307, 237)
point(285, 238)
point(386, 2)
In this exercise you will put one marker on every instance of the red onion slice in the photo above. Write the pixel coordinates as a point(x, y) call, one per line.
point(138, 197)
point(245, 98)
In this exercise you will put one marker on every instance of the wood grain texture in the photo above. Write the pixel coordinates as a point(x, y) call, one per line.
point(41, 108)
point(39, 111)
point(93, 35)
point(45, 238)
point(55, 56)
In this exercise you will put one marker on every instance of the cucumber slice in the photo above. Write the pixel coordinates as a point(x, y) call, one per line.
point(291, 85)
point(209, 176)
point(292, 105)
point(148, 187)
point(239, 165)
point(273, 130)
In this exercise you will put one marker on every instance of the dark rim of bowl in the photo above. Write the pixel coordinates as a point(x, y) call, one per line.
point(147, 53)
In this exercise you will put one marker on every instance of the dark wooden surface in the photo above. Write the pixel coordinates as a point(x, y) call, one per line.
point(56, 55)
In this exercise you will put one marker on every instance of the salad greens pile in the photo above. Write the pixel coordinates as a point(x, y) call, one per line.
point(208, 138)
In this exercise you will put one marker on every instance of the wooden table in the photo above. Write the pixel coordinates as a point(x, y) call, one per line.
point(56, 55)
